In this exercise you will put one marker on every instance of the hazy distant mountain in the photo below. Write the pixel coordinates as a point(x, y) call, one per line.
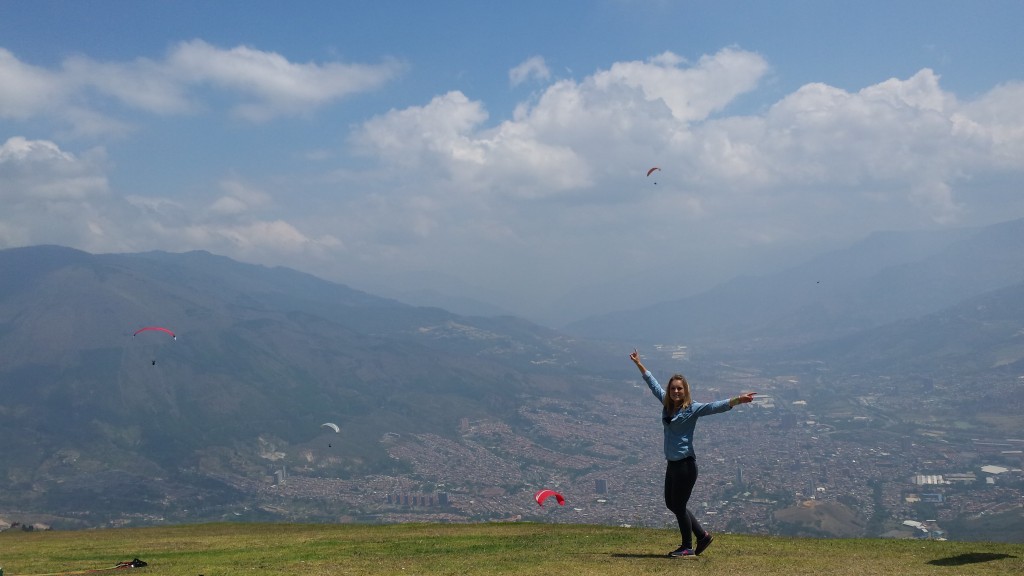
point(459, 305)
point(983, 334)
point(887, 277)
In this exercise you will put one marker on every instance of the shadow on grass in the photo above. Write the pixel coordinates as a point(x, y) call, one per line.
point(969, 558)
point(639, 555)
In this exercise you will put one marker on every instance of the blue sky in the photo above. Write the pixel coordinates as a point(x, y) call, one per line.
point(498, 150)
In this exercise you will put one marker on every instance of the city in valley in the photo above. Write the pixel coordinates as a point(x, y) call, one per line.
point(855, 456)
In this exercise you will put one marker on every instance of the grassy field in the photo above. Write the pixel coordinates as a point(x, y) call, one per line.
point(487, 549)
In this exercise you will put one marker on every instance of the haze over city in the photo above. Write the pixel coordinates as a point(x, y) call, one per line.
point(500, 152)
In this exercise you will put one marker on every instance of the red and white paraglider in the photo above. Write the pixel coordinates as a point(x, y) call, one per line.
point(652, 171)
point(158, 328)
point(544, 494)
point(155, 329)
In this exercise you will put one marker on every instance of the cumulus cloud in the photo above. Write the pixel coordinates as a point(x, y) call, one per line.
point(690, 92)
point(995, 125)
point(420, 134)
point(448, 137)
point(573, 133)
point(893, 143)
point(901, 142)
point(566, 171)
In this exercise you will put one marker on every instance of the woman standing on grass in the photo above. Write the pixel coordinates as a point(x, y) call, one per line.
point(679, 415)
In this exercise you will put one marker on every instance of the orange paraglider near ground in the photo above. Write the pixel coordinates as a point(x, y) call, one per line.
point(544, 494)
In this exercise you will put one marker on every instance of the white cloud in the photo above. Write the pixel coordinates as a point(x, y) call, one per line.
point(239, 198)
point(565, 175)
point(53, 196)
point(141, 84)
point(533, 68)
point(691, 93)
point(894, 143)
point(50, 196)
point(267, 84)
point(447, 140)
point(259, 239)
point(548, 201)
point(276, 85)
point(994, 125)
point(572, 133)
point(441, 129)
point(38, 170)
point(26, 91)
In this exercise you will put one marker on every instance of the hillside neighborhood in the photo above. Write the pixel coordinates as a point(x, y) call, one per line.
point(909, 429)
point(778, 466)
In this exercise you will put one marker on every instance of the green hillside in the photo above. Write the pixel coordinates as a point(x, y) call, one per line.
point(98, 421)
point(459, 549)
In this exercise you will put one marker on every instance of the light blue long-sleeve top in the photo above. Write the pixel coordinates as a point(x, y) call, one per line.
point(679, 426)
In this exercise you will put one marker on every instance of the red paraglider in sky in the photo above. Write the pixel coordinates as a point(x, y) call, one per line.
point(651, 171)
point(161, 329)
point(155, 329)
point(544, 494)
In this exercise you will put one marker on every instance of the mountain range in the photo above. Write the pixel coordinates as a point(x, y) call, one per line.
point(259, 352)
point(98, 418)
point(887, 278)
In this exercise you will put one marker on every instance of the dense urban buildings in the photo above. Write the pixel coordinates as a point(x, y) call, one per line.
point(828, 459)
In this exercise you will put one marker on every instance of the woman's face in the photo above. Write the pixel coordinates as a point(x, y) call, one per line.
point(675, 390)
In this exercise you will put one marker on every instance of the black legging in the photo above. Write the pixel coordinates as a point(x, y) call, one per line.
point(680, 476)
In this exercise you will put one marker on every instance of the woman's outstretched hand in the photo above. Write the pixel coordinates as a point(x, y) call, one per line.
point(635, 357)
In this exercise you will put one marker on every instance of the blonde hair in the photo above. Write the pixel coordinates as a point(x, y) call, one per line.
point(670, 407)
